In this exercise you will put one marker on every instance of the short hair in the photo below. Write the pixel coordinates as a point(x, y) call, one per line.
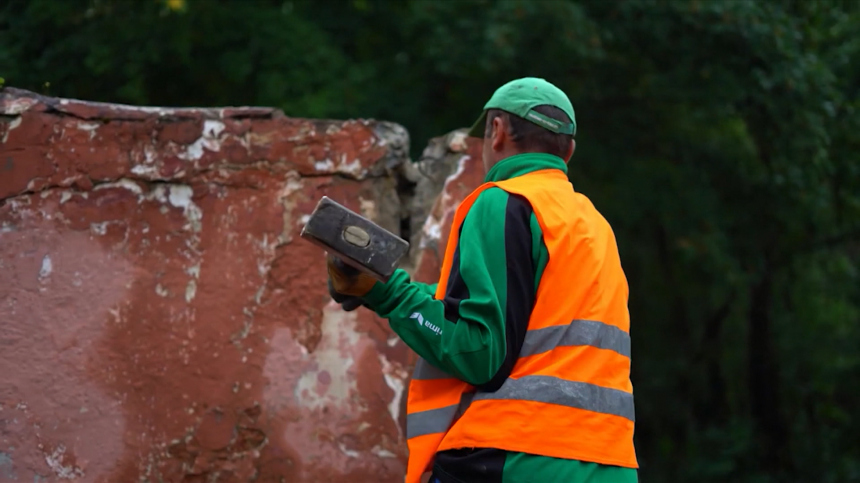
point(528, 136)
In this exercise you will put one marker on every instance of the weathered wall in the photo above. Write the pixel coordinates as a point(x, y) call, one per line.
point(160, 318)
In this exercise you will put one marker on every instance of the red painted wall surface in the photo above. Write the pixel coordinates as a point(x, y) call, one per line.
point(160, 319)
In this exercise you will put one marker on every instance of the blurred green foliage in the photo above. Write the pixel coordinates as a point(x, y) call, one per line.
point(720, 138)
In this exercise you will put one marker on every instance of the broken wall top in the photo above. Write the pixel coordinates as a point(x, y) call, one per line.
point(65, 142)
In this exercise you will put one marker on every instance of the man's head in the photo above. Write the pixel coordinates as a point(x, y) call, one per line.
point(527, 115)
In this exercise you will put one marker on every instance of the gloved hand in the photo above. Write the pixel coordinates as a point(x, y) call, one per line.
point(347, 302)
point(347, 280)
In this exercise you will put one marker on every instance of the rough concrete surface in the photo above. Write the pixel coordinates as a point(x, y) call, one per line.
point(160, 318)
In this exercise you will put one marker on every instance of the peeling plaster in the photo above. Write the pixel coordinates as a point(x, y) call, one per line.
point(394, 378)
point(293, 185)
point(17, 106)
point(207, 140)
point(326, 165)
point(350, 167)
point(47, 267)
point(333, 363)
point(55, 462)
point(91, 127)
point(12, 125)
point(124, 183)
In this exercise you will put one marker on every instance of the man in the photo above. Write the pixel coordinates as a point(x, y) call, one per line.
point(524, 342)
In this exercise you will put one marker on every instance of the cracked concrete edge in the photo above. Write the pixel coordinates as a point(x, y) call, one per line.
point(218, 136)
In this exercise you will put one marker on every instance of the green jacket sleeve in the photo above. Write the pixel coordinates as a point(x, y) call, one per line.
point(463, 334)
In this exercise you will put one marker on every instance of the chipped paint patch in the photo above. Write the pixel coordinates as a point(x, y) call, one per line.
point(325, 165)
point(285, 196)
point(457, 143)
point(90, 127)
point(367, 208)
point(99, 228)
point(47, 267)
point(123, 183)
point(432, 231)
point(394, 378)
point(350, 453)
point(55, 462)
point(331, 381)
point(382, 452)
point(12, 125)
point(190, 290)
point(180, 197)
point(461, 168)
point(350, 167)
point(17, 106)
point(208, 140)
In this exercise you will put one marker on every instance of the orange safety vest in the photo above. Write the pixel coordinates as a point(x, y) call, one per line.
point(569, 394)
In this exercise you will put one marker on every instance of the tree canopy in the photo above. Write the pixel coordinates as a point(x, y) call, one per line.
point(720, 138)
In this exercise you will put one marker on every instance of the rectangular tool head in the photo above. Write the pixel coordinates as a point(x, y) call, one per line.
point(354, 239)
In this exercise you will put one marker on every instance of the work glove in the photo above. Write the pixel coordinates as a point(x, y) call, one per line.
point(347, 302)
point(347, 280)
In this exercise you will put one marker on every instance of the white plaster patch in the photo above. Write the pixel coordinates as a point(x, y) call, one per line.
point(432, 229)
point(90, 127)
point(194, 270)
point(190, 290)
point(47, 267)
point(161, 291)
point(382, 453)
point(326, 165)
point(55, 462)
point(348, 452)
point(12, 125)
point(394, 378)
point(124, 183)
point(180, 197)
point(159, 194)
point(338, 333)
point(293, 185)
point(17, 106)
point(144, 170)
point(351, 167)
point(457, 143)
point(208, 140)
point(212, 128)
point(147, 168)
point(367, 208)
point(461, 168)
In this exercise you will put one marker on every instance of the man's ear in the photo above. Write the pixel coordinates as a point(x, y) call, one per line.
point(570, 149)
point(499, 133)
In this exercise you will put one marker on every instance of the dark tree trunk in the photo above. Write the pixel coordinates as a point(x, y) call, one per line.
point(764, 377)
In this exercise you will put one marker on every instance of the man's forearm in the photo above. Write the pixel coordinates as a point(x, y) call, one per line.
point(464, 349)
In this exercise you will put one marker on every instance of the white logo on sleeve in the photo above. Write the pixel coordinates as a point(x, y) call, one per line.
point(426, 323)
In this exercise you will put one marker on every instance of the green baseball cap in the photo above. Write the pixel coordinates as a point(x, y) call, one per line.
point(520, 97)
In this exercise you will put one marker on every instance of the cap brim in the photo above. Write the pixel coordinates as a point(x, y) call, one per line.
point(477, 129)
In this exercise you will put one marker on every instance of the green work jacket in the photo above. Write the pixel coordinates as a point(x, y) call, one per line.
point(483, 318)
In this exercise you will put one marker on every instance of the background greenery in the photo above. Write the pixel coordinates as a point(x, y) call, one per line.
point(720, 138)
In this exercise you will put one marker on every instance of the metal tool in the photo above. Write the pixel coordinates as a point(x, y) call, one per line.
point(354, 239)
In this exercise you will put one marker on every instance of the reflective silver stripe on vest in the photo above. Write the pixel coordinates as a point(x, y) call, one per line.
point(545, 389)
point(580, 395)
point(425, 371)
point(578, 332)
point(437, 420)
point(430, 421)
